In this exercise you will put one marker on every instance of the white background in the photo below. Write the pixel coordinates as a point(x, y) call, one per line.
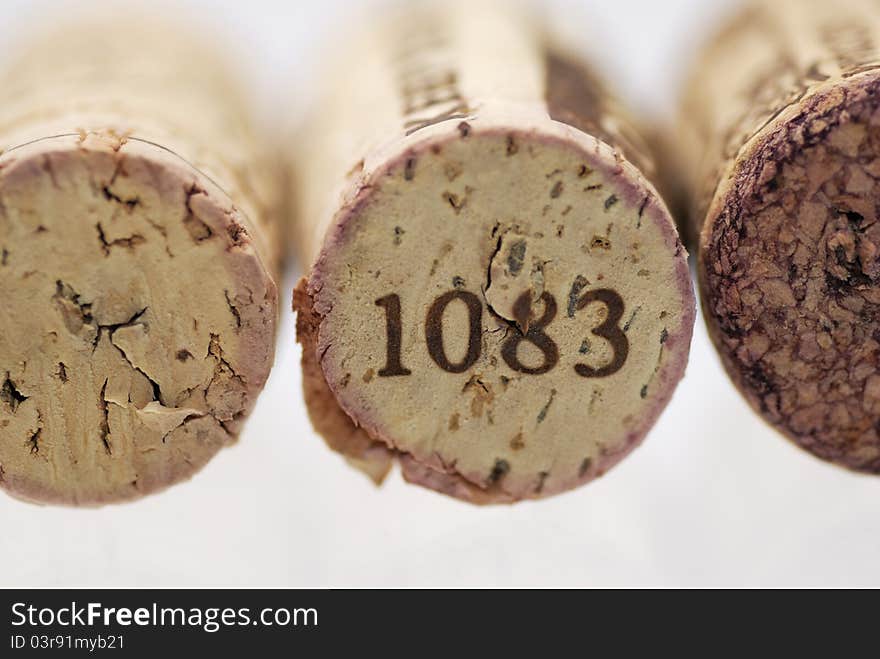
point(712, 497)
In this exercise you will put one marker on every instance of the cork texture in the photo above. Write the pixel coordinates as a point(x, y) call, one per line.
point(785, 206)
point(497, 297)
point(137, 264)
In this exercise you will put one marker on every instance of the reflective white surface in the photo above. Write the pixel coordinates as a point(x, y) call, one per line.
point(712, 497)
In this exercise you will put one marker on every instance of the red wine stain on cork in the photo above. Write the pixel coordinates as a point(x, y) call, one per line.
point(792, 276)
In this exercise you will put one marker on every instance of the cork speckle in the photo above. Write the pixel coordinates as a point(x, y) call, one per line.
point(641, 212)
point(516, 257)
point(632, 319)
point(33, 441)
point(128, 242)
point(574, 294)
point(481, 393)
point(454, 422)
point(542, 478)
point(542, 415)
point(105, 419)
point(10, 395)
point(500, 469)
point(128, 204)
point(585, 467)
point(600, 242)
point(455, 201)
point(518, 442)
point(452, 170)
point(512, 146)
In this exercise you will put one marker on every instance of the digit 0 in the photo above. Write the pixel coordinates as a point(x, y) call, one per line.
point(434, 331)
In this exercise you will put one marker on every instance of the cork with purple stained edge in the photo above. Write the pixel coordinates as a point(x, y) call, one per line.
point(782, 129)
point(137, 260)
point(497, 297)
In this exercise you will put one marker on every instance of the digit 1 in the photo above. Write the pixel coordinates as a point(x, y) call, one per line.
point(394, 330)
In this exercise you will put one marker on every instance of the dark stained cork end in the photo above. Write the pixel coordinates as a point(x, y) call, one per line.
point(790, 267)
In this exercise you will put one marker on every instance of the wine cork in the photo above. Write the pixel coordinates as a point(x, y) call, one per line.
point(497, 298)
point(139, 305)
point(781, 127)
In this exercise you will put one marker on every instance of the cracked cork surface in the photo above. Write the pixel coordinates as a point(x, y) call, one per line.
point(139, 310)
point(501, 303)
point(789, 247)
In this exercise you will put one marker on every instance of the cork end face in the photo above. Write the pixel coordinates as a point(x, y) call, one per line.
point(507, 311)
point(790, 273)
point(137, 325)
